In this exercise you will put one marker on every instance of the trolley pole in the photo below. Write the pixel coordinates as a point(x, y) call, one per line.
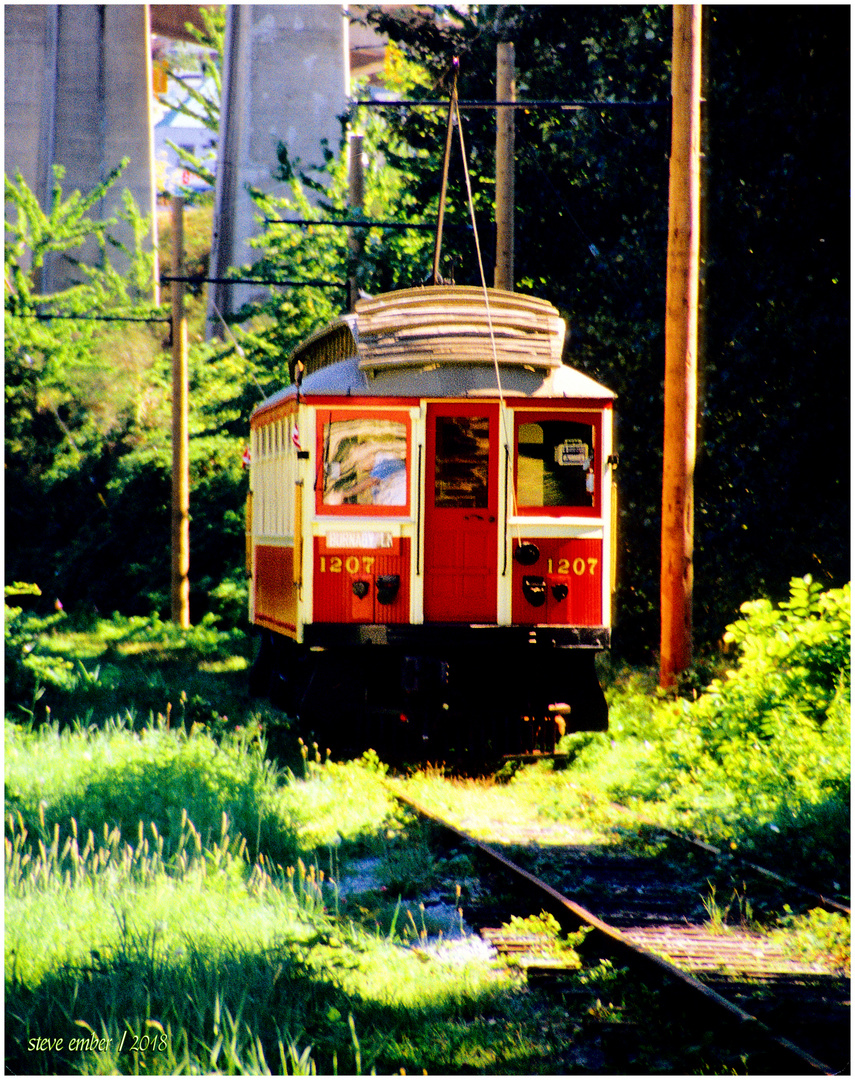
point(356, 198)
point(681, 342)
point(505, 91)
point(180, 441)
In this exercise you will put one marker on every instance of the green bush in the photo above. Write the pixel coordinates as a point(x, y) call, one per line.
point(27, 669)
point(763, 752)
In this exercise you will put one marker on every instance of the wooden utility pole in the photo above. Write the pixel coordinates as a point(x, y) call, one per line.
point(356, 199)
point(505, 91)
point(681, 338)
point(180, 441)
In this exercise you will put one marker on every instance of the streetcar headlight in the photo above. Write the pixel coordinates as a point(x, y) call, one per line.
point(387, 588)
point(526, 554)
point(534, 590)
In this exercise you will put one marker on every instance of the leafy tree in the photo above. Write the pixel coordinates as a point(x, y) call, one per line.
point(55, 375)
point(73, 388)
point(774, 473)
point(88, 450)
point(591, 220)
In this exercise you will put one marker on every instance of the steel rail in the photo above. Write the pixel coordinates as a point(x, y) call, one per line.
point(711, 849)
point(562, 907)
point(796, 886)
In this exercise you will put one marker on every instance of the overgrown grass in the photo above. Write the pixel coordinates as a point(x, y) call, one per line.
point(171, 946)
point(171, 894)
point(88, 779)
point(94, 669)
point(172, 906)
point(205, 960)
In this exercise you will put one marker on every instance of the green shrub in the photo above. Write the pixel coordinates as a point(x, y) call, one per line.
point(763, 751)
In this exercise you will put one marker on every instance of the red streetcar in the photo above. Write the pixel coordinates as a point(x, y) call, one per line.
point(431, 528)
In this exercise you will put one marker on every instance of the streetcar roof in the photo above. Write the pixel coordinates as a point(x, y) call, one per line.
point(441, 341)
point(462, 380)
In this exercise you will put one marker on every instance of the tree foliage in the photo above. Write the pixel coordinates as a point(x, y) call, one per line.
point(591, 225)
point(88, 451)
point(763, 752)
point(87, 403)
point(63, 394)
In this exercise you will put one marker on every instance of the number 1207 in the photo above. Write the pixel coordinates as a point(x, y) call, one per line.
point(579, 565)
point(351, 564)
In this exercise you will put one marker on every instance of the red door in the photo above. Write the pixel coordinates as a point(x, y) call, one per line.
point(461, 508)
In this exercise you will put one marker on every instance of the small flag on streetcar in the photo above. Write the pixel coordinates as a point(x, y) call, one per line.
point(247, 458)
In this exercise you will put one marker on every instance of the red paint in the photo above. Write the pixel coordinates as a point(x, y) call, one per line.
point(269, 414)
point(576, 563)
point(336, 570)
point(461, 511)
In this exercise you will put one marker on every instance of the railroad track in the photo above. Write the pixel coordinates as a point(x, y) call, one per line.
point(779, 1014)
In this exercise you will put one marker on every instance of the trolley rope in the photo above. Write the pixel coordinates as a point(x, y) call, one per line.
point(502, 409)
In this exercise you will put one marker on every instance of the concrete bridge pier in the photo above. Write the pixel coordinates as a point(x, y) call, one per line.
point(78, 93)
point(285, 79)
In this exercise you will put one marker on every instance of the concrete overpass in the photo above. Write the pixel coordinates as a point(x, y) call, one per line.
point(78, 85)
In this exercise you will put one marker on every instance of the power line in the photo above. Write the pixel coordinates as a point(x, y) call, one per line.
point(544, 103)
point(198, 279)
point(48, 315)
point(364, 222)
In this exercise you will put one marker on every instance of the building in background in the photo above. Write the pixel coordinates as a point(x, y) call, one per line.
point(174, 127)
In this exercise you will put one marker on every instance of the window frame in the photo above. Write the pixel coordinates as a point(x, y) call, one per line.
point(575, 415)
point(330, 416)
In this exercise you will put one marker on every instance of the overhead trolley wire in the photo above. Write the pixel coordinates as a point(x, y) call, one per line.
point(538, 103)
point(46, 316)
point(367, 223)
point(199, 279)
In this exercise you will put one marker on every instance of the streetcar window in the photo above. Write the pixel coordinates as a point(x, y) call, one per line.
point(462, 461)
point(555, 463)
point(365, 462)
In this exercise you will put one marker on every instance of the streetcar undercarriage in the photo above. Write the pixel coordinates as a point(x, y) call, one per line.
point(463, 694)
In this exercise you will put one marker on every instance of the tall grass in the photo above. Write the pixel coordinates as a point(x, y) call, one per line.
point(126, 955)
point(165, 913)
point(117, 778)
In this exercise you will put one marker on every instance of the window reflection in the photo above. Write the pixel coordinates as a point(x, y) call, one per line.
point(555, 464)
point(365, 462)
point(462, 461)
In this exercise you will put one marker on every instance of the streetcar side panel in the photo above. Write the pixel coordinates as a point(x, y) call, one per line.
point(273, 529)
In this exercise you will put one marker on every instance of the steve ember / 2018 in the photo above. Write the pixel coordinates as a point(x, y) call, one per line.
point(90, 1043)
